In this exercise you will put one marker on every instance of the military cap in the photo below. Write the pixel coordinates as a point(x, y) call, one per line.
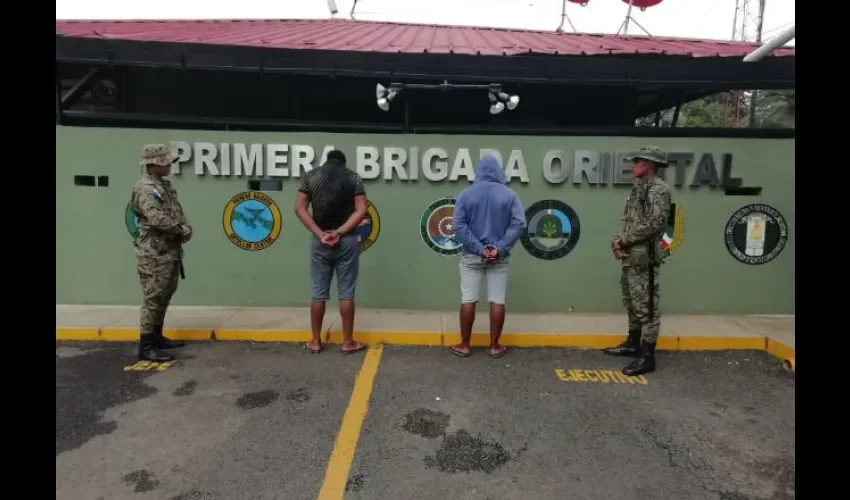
point(156, 154)
point(650, 153)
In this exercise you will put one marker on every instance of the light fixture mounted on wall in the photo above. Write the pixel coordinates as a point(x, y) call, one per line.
point(498, 100)
point(385, 95)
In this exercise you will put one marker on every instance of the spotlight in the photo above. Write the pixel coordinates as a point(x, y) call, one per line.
point(380, 91)
point(496, 106)
point(384, 96)
point(510, 100)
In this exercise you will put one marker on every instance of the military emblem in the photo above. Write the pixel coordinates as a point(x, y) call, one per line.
point(369, 228)
point(252, 221)
point(131, 221)
point(437, 227)
point(672, 238)
point(553, 229)
point(756, 234)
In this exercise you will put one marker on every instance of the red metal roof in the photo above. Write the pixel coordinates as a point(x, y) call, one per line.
point(369, 36)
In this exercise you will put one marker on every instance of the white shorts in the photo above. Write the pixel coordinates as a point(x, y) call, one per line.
point(473, 270)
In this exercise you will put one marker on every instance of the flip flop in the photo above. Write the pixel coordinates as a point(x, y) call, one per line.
point(458, 353)
point(359, 348)
point(314, 351)
point(500, 353)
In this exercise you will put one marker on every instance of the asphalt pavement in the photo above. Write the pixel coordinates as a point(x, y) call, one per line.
point(251, 421)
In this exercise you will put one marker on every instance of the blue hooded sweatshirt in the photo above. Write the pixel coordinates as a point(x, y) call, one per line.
point(488, 213)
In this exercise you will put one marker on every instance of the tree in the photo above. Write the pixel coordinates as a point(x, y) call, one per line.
point(774, 109)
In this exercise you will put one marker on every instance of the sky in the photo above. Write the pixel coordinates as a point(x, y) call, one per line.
point(709, 19)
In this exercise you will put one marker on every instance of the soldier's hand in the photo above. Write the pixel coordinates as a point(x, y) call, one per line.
point(615, 244)
point(620, 254)
point(187, 234)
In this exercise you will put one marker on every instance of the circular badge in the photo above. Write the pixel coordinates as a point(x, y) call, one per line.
point(756, 234)
point(553, 229)
point(672, 238)
point(251, 221)
point(369, 228)
point(437, 227)
point(131, 221)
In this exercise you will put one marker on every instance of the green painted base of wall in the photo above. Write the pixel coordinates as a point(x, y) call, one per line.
point(96, 265)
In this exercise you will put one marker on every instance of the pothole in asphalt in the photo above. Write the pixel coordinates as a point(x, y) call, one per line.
point(256, 399)
point(299, 395)
point(355, 484)
point(142, 480)
point(426, 423)
point(463, 453)
point(186, 389)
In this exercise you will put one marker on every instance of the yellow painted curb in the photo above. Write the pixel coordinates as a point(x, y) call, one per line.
point(783, 352)
point(393, 338)
point(721, 343)
point(184, 334)
point(263, 335)
point(667, 343)
point(120, 334)
point(132, 334)
point(77, 334)
point(595, 341)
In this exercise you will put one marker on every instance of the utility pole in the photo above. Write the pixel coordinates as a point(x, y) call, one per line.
point(735, 107)
point(754, 97)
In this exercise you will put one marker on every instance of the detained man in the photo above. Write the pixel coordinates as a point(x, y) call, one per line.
point(338, 201)
point(488, 220)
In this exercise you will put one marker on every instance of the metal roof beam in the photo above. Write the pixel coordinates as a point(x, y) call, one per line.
point(665, 71)
point(90, 118)
point(84, 84)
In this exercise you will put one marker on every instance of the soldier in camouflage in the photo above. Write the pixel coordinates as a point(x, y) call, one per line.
point(163, 229)
point(638, 246)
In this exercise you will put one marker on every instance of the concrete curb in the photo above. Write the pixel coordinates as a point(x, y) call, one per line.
point(594, 341)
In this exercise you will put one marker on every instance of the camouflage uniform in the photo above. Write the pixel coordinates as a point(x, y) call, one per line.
point(641, 229)
point(159, 250)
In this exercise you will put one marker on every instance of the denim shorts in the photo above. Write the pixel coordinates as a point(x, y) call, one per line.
point(473, 270)
point(344, 259)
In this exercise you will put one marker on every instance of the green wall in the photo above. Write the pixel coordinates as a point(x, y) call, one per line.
point(95, 261)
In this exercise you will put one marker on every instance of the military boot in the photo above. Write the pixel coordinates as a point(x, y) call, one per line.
point(148, 350)
point(645, 363)
point(631, 347)
point(165, 343)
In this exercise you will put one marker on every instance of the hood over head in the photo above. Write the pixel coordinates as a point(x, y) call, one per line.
point(489, 171)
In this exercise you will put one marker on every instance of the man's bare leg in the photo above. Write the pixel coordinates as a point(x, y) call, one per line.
point(346, 312)
point(467, 319)
point(497, 321)
point(317, 314)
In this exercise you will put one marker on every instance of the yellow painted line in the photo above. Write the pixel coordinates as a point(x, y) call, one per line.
point(580, 341)
point(553, 340)
point(339, 465)
point(78, 334)
point(188, 334)
point(395, 338)
point(537, 340)
point(264, 335)
point(120, 334)
point(786, 353)
point(667, 342)
point(132, 334)
point(598, 376)
point(146, 366)
point(720, 343)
